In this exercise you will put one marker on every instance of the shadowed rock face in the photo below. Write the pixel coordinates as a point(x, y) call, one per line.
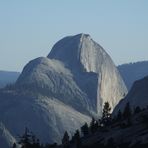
point(132, 72)
point(6, 139)
point(51, 78)
point(137, 96)
point(47, 118)
point(62, 92)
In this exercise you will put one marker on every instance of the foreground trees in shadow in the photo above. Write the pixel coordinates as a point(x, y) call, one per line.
point(91, 136)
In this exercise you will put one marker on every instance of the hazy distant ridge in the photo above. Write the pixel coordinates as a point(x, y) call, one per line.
point(133, 71)
point(8, 77)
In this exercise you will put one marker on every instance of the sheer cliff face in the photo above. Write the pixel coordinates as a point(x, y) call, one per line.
point(83, 56)
point(62, 91)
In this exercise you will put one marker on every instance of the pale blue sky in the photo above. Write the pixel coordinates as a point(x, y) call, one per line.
point(29, 28)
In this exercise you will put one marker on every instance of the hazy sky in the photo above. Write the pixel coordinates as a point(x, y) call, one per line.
point(29, 28)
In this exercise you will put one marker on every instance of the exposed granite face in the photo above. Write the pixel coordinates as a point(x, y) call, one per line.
point(62, 92)
point(83, 56)
point(48, 118)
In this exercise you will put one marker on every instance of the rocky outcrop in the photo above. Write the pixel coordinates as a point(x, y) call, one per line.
point(63, 91)
point(92, 68)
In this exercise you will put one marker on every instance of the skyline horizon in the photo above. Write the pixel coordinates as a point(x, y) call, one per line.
point(29, 29)
point(117, 64)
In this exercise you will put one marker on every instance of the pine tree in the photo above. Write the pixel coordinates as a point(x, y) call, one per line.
point(119, 115)
point(65, 139)
point(85, 130)
point(92, 125)
point(106, 115)
point(28, 140)
point(77, 139)
point(127, 111)
point(137, 110)
point(25, 139)
point(14, 145)
point(96, 126)
point(127, 114)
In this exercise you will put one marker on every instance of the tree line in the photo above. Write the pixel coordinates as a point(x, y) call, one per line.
point(28, 140)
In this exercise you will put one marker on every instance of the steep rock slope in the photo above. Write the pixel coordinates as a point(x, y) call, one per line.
point(132, 72)
point(51, 78)
point(91, 67)
point(6, 139)
point(47, 118)
point(137, 96)
point(61, 92)
point(120, 134)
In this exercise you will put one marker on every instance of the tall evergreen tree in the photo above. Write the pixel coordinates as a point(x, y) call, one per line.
point(25, 140)
point(119, 115)
point(137, 110)
point(127, 111)
point(14, 145)
point(85, 130)
point(77, 139)
point(92, 125)
point(106, 115)
point(127, 114)
point(28, 140)
point(65, 139)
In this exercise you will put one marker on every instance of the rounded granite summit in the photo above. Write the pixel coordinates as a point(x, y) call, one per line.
point(83, 56)
point(77, 68)
point(79, 51)
point(61, 92)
